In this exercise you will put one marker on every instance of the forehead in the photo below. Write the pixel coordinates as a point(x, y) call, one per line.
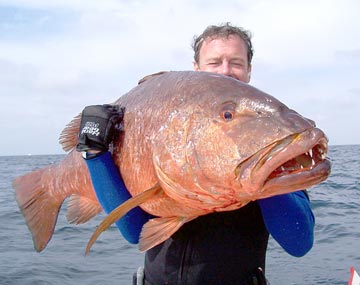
point(219, 45)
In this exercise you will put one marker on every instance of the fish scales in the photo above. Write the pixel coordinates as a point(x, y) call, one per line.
point(192, 143)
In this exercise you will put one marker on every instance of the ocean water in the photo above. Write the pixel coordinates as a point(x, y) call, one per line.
point(335, 202)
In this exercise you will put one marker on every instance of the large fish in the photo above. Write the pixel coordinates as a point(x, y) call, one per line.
point(193, 143)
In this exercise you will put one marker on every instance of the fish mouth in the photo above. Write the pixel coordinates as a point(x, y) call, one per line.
point(294, 163)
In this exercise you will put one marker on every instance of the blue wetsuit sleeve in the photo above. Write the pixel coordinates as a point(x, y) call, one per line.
point(290, 221)
point(111, 192)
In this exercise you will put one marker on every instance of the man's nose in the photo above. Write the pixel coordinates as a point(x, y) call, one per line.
point(225, 69)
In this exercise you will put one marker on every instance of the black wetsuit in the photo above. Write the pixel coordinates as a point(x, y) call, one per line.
point(219, 248)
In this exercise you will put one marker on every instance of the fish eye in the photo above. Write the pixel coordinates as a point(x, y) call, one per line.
point(227, 115)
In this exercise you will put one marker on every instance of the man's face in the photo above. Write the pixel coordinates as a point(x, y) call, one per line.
point(227, 56)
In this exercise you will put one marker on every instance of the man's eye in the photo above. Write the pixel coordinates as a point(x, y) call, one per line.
point(238, 65)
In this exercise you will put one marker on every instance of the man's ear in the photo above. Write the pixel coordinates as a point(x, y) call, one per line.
point(249, 73)
point(196, 66)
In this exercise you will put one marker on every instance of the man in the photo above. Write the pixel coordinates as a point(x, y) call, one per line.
point(218, 248)
point(224, 50)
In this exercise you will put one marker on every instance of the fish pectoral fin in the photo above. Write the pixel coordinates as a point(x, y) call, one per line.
point(121, 210)
point(81, 209)
point(157, 230)
point(69, 136)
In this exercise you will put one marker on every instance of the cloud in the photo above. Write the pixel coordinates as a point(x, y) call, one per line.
point(58, 56)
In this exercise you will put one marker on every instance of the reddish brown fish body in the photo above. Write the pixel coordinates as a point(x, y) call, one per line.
point(211, 142)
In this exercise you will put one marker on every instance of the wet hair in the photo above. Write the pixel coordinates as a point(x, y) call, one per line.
point(222, 31)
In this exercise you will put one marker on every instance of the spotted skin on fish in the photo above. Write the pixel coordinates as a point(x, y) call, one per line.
point(193, 143)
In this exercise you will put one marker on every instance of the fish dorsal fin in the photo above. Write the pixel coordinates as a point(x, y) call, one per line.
point(81, 209)
point(69, 136)
point(151, 76)
point(121, 210)
point(158, 230)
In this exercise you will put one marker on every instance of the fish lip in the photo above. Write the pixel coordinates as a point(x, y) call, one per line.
point(292, 163)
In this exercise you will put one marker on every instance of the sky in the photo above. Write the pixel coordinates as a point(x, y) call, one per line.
point(58, 56)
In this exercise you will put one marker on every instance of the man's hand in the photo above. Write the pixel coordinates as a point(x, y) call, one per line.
point(99, 126)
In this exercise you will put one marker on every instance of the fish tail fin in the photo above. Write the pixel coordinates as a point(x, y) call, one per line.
point(120, 211)
point(158, 230)
point(39, 207)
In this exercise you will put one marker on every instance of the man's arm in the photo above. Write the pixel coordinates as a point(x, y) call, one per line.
point(290, 221)
point(105, 177)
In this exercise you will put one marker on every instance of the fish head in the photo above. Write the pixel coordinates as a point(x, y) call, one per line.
point(225, 143)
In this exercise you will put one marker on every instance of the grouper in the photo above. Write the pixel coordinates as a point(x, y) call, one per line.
point(192, 143)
